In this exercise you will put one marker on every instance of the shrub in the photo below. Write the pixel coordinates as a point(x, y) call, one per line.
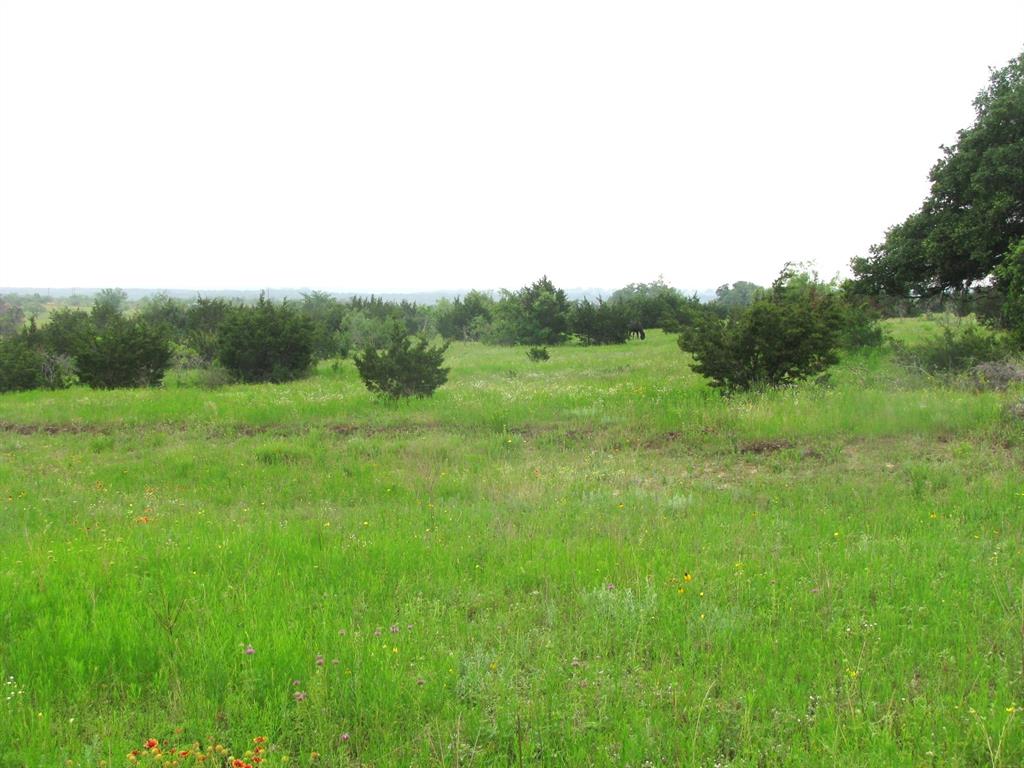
point(20, 365)
point(402, 368)
point(538, 354)
point(955, 350)
point(266, 343)
point(1010, 277)
point(860, 326)
point(58, 370)
point(785, 335)
point(600, 323)
point(128, 353)
point(537, 314)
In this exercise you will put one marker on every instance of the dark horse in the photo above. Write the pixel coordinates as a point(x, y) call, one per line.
point(636, 330)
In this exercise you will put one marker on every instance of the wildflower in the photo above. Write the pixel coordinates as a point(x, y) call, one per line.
point(296, 683)
point(320, 660)
point(394, 629)
point(687, 576)
point(249, 650)
point(260, 740)
point(152, 743)
point(345, 736)
point(300, 695)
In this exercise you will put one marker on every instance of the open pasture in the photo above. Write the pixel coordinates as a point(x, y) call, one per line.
point(590, 561)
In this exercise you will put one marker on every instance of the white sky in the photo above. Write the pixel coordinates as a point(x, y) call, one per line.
point(401, 146)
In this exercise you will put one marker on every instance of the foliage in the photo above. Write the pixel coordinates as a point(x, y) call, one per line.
point(604, 322)
point(538, 354)
point(266, 342)
point(402, 368)
point(656, 305)
point(203, 320)
point(20, 365)
point(736, 297)
point(168, 315)
point(58, 371)
point(67, 332)
point(1010, 277)
point(124, 353)
point(327, 316)
point(108, 305)
point(467, 318)
point(860, 326)
point(974, 212)
point(12, 316)
point(955, 349)
point(786, 335)
point(537, 314)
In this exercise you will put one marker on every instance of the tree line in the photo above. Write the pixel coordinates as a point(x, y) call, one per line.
point(964, 248)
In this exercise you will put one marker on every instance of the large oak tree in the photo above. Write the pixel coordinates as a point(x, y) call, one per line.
point(974, 214)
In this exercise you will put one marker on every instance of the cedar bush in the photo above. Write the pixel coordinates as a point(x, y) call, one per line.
point(266, 342)
point(785, 335)
point(403, 368)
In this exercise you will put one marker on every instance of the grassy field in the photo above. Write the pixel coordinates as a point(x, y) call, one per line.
point(591, 561)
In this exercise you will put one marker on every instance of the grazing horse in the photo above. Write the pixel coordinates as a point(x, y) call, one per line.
point(636, 330)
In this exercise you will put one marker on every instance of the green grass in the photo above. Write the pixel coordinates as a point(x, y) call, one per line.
point(855, 561)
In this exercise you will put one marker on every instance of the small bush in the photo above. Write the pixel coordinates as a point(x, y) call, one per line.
point(402, 368)
point(58, 370)
point(954, 350)
point(784, 336)
point(860, 326)
point(538, 354)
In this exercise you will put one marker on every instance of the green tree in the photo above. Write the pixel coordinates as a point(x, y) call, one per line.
point(975, 210)
point(537, 314)
point(656, 305)
point(167, 314)
point(124, 353)
point(402, 368)
point(327, 316)
point(786, 334)
point(266, 342)
point(1010, 277)
point(108, 304)
point(465, 318)
point(739, 295)
point(12, 317)
point(21, 365)
point(68, 332)
point(603, 322)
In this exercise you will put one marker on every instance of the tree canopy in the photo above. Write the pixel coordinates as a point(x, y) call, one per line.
point(974, 214)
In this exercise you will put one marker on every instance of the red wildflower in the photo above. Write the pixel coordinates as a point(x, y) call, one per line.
point(150, 743)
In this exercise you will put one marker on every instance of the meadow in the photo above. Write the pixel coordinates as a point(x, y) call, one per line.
point(595, 560)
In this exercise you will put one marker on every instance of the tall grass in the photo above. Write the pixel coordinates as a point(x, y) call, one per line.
point(594, 561)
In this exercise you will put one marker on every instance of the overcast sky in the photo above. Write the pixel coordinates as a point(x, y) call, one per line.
point(401, 146)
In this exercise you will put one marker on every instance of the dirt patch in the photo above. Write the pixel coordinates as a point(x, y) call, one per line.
point(765, 446)
point(51, 429)
point(660, 441)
